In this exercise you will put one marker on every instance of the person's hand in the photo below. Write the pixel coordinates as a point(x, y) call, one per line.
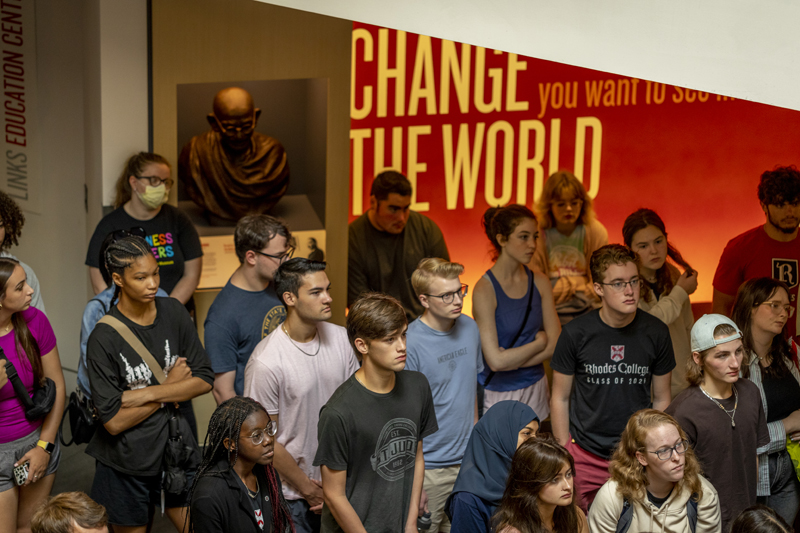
point(541, 338)
point(179, 371)
point(314, 496)
point(423, 502)
point(38, 460)
point(791, 424)
point(688, 281)
point(3, 375)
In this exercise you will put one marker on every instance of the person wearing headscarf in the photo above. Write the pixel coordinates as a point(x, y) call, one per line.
point(482, 478)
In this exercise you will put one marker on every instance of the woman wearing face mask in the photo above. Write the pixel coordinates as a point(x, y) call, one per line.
point(539, 496)
point(142, 193)
point(761, 310)
point(655, 472)
point(482, 478)
point(665, 292)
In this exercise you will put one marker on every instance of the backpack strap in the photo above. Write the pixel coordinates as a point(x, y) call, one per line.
point(691, 512)
point(625, 517)
point(137, 345)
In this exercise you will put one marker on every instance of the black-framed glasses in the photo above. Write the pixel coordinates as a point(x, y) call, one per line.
point(285, 256)
point(619, 286)
point(665, 454)
point(776, 308)
point(447, 298)
point(136, 231)
point(257, 437)
point(155, 181)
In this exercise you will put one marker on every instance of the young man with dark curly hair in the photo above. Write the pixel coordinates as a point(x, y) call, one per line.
point(770, 250)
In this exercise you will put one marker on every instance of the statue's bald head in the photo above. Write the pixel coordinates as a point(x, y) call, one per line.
point(232, 103)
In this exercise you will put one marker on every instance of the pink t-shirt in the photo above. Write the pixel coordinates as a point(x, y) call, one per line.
point(13, 424)
point(296, 385)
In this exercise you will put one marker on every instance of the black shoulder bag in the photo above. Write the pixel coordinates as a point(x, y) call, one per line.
point(521, 328)
point(44, 397)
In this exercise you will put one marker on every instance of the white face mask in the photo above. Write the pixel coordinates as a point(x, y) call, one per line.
point(154, 197)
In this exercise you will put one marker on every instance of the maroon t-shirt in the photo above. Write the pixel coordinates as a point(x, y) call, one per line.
point(754, 254)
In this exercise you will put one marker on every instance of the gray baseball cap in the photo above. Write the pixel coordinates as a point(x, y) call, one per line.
point(703, 332)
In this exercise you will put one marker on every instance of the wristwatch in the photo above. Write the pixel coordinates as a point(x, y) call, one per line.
point(49, 447)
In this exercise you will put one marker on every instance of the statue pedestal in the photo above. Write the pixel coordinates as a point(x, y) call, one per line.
point(294, 209)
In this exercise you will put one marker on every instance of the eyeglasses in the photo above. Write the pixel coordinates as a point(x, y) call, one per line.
point(132, 232)
point(447, 298)
point(246, 127)
point(619, 286)
point(665, 454)
point(285, 256)
point(257, 437)
point(155, 181)
point(574, 204)
point(777, 307)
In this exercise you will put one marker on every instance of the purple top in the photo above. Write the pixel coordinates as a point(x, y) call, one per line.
point(13, 424)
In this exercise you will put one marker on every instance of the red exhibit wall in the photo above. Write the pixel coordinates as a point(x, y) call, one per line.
point(503, 123)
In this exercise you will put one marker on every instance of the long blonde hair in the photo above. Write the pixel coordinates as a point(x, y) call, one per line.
point(630, 475)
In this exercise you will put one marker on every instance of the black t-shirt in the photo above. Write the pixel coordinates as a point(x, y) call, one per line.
point(658, 502)
point(375, 437)
point(114, 367)
point(613, 368)
point(173, 238)
point(782, 395)
point(727, 454)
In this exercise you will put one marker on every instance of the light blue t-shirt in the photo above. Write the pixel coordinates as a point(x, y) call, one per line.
point(451, 361)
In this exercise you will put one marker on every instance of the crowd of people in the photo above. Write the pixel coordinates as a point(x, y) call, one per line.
point(414, 416)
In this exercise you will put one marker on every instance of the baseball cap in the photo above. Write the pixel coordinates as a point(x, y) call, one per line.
point(703, 332)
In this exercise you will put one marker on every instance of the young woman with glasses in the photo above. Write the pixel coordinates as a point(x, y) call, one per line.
point(762, 310)
point(133, 408)
point(655, 482)
point(665, 291)
point(514, 309)
point(570, 233)
point(141, 202)
point(236, 487)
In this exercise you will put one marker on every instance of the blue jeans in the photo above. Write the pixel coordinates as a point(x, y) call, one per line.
point(784, 488)
point(304, 520)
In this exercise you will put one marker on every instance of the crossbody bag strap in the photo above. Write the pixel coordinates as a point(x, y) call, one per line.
point(521, 328)
point(126, 333)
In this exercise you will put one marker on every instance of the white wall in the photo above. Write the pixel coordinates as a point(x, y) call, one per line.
point(53, 242)
point(92, 84)
point(744, 49)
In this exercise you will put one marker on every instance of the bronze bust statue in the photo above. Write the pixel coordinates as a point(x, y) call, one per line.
point(232, 170)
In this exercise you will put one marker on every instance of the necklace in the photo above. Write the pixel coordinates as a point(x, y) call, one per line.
point(730, 413)
point(7, 328)
point(319, 342)
point(250, 493)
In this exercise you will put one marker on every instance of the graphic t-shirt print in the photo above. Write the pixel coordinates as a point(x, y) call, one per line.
point(138, 377)
point(396, 449)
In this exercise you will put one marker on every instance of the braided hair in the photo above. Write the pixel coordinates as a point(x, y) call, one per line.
point(12, 219)
point(226, 423)
point(122, 254)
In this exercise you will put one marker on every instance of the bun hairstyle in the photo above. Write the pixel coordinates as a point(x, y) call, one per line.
point(503, 221)
point(23, 338)
point(665, 276)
